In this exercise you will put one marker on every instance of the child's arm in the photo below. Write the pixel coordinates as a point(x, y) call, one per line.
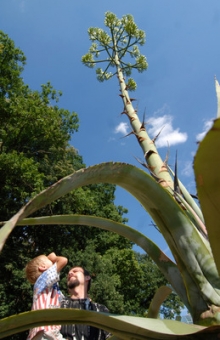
point(61, 261)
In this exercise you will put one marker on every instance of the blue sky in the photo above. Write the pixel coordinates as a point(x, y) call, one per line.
point(177, 91)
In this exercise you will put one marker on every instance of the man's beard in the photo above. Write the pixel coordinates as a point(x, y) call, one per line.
point(73, 284)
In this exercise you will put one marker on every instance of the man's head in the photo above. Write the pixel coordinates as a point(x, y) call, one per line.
point(36, 267)
point(78, 276)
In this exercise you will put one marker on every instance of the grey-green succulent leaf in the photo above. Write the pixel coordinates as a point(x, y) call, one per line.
point(206, 166)
point(159, 297)
point(122, 327)
point(188, 197)
point(192, 215)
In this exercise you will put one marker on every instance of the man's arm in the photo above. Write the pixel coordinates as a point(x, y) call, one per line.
point(61, 261)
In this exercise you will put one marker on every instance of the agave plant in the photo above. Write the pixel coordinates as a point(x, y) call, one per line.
point(183, 226)
point(190, 231)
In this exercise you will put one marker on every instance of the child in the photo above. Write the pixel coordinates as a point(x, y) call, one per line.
point(43, 271)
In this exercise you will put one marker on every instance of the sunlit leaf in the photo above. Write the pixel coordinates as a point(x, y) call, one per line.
point(123, 327)
point(158, 299)
point(207, 165)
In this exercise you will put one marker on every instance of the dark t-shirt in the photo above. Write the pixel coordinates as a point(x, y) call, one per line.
point(78, 331)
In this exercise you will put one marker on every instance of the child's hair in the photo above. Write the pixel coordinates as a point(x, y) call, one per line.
point(32, 268)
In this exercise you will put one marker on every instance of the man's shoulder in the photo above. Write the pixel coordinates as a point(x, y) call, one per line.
point(66, 297)
point(99, 307)
point(65, 300)
point(68, 302)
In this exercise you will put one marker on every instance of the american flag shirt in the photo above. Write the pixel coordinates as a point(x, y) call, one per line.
point(46, 295)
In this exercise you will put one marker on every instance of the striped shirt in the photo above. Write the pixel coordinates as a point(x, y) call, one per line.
point(46, 295)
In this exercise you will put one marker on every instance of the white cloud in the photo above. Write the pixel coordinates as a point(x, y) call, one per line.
point(207, 125)
point(168, 135)
point(163, 123)
point(122, 128)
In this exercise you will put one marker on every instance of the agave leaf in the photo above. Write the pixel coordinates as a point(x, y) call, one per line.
point(158, 299)
point(188, 198)
point(166, 265)
point(123, 327)
point(9, 226)
point(206, 165)
point(199, 224)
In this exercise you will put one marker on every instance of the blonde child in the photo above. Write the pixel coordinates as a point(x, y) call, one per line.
point(43, 271)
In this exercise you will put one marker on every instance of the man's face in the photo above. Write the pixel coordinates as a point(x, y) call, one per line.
point(75, 277)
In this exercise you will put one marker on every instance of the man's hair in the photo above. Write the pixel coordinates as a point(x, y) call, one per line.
point(86, 273)
point(32, 268)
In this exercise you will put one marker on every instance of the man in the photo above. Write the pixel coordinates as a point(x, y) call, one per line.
point(78, 283)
